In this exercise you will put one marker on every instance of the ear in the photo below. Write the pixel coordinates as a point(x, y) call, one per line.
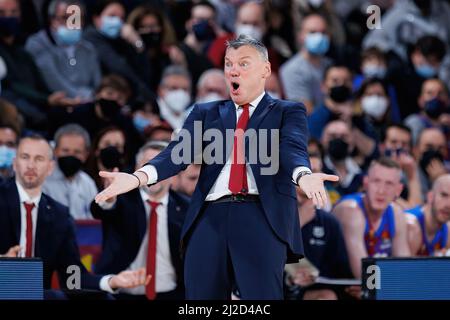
point(267, 71)
point(365, 182)
point(430, 196)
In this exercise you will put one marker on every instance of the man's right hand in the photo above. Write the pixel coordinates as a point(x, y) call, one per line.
point(120, 183)
point(13, 252)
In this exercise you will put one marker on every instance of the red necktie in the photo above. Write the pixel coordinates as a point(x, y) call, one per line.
point(238, 175)
point(150, 291)
point(29, 231)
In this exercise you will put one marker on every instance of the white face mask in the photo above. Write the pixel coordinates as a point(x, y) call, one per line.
point(177, 100)
point(212, 96)
point(374, 106)
point(315, 3)
point(249, 30)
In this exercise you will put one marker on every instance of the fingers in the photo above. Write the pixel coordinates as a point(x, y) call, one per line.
point(106, 174)
point(330, 177)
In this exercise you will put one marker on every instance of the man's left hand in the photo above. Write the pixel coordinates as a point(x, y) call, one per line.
point(313, 186)
point(129, 279)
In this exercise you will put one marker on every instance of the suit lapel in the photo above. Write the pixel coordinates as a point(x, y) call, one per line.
point(228, 115)
point(141, 216)
point(44, 220)
point(264, 106)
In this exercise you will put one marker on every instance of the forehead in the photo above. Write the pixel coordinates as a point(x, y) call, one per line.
point(150, 154)
point(202, 12)
point(398, 134)
point(433, 137)
point(432, 85)
point(314, 22)
point(334, 73)
point(7, 133)
point(381, 172)
point(72, 140)
point(241, 52)
point(34, 147)
point(176, 79)
point(337, 128)
point(112, 136)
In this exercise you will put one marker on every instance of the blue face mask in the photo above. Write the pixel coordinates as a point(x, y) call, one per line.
point(140, 123)
point(317, 43)
point(111, 26)
point(7, 156)
point(67, 37)
point(425, 71)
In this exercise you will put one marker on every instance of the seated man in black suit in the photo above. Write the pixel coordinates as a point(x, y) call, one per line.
point(34, 225)
point(133, 239)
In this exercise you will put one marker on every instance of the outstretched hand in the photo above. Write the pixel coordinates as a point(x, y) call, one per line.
point(119, 182)
point(313, 186)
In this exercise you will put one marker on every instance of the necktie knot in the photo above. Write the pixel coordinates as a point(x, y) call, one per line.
point(29, 206)
point(153, 204)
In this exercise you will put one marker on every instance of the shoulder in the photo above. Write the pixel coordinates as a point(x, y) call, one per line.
point(348, 210)
point(37, 42)
point(288, 105)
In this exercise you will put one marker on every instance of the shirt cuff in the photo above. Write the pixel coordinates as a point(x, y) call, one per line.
point(151, 173)
point(105, 205)
point(297, 172)
point(104, 284)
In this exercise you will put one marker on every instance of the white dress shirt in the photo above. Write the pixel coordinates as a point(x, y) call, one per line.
point(24, 197)
point(166, 278)
point(220, 187)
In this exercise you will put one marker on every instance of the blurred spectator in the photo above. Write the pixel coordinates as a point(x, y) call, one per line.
point(174, 95)
point(406, 22)
point(433, 102)
point(251, 20)
point(375, 106)
point(396, 143)
point(273, 87)
point(69, 184)
point(128, 242)
point(67, 62)
point(52, 234)
point(23, 85)
point(373, 226)
point(324, 247)
point(201, 31)
point(9, 138)
point(162, 132)
point(425, 60)
point(118, 45)
point(158, 38)
point(211, 86)
point(337, 90)
point(145, 115)
point(430, 152)
point(186, 180)
point(109, 152)
point(107, 109)
point(10, 116)
point(338, 144)
point(428, 236)
point(374, 66)
point(302, 75)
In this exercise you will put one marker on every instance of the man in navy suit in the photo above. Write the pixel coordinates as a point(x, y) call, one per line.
point(242, 224)
point(34, 225)
point(126, 235)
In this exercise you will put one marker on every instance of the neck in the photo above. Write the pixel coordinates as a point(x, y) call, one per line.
point(157, 196)
point(32, 192)
point(373, 215)
point(431, 224)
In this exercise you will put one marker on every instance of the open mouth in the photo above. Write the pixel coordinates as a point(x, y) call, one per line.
point(235, 85)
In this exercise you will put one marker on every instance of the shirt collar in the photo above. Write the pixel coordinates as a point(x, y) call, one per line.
point(255, 102)
point(164, 200)
point(24, 197)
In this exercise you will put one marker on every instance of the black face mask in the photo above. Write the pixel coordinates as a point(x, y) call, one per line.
point(109, 108)
point(69, 165)
point(151, 39)
point(338, 149)
point(9, 26)
point(340, 94)
point(203, 31)
point(111, 158)
point(434, 108)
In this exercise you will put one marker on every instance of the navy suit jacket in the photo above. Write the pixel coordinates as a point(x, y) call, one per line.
point(277, 191)
point(55, 241)
point(125, 225)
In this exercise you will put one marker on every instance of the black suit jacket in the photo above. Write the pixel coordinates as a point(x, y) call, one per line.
point(55, 241)
point(124, 228)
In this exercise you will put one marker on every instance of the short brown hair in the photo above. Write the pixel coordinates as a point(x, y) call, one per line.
point(117, 83)
point(385, 162)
